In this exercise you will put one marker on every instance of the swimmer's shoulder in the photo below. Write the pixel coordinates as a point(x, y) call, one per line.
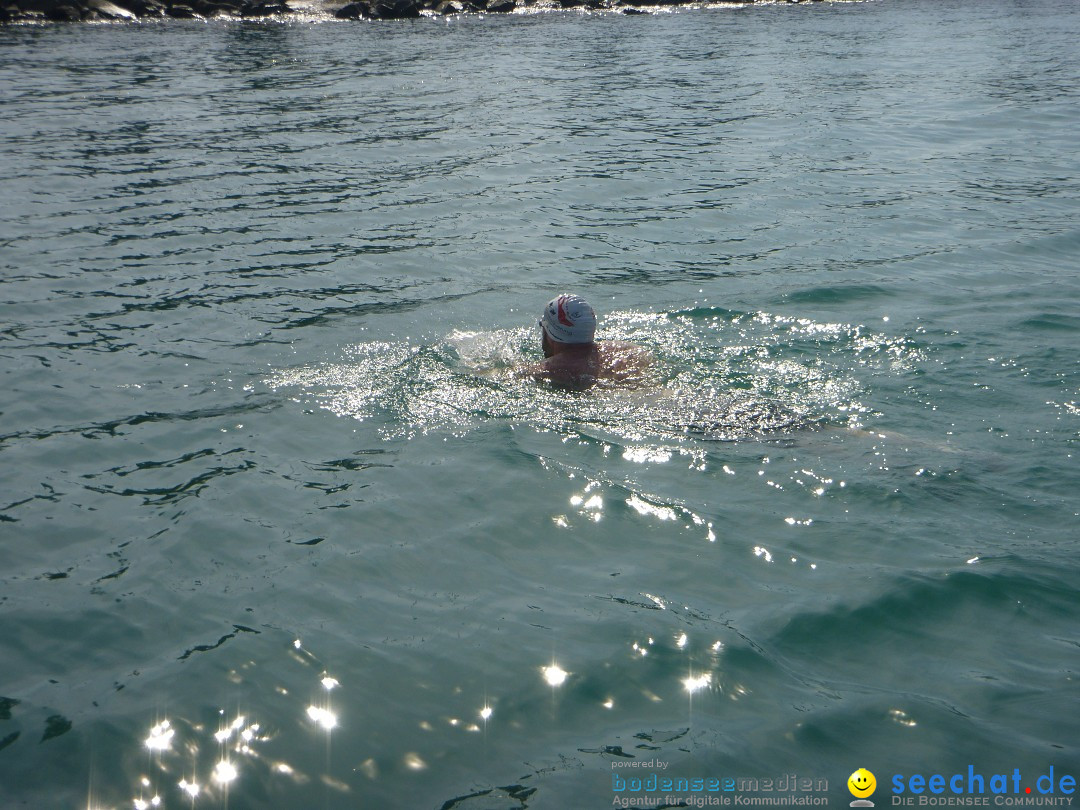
point(561, 372)
point(619, 354)
point(613, 360)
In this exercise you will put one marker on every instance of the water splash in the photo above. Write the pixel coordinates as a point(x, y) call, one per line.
point(718, 375)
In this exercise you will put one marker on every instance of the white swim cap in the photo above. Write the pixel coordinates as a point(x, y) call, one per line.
point(569, 319)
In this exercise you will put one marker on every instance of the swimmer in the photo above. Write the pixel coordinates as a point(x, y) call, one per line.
point(573, 358)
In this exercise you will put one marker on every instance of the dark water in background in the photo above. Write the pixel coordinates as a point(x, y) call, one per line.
point(262, 468)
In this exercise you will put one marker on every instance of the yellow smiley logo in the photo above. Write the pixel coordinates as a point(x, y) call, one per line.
point(861, 783)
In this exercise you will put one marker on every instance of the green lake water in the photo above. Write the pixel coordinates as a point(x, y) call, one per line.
point(279, 528)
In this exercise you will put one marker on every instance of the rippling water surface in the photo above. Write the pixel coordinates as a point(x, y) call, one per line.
point(279, 527)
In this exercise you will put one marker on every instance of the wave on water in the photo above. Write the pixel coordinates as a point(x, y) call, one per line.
point(718, 376)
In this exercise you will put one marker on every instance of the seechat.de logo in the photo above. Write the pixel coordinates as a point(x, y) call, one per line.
point(862, 785)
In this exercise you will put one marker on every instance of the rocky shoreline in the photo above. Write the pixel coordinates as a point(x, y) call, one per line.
point(30, 11)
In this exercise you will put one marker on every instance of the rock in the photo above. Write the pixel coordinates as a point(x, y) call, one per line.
point(181, 12)
point(449, 7)
point(17, 14)
point(395, 9)
point(353, 11)
point(209, 8)
point(65, 13)
point(146, 8)
point(264, 8)
point(43, 6)
point(110, 11)
point(501, 6)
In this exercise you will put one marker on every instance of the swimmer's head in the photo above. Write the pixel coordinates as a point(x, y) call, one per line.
point(569, 319)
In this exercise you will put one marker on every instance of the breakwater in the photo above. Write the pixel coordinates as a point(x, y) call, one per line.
point(30, 11)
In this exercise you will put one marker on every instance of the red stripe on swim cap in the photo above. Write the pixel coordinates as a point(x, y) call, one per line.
point(565, 321)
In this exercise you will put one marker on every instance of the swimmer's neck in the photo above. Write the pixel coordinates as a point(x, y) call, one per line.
point(553, 347)
point(574, 348)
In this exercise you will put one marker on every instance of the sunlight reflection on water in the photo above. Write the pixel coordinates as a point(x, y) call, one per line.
point(188, 758)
